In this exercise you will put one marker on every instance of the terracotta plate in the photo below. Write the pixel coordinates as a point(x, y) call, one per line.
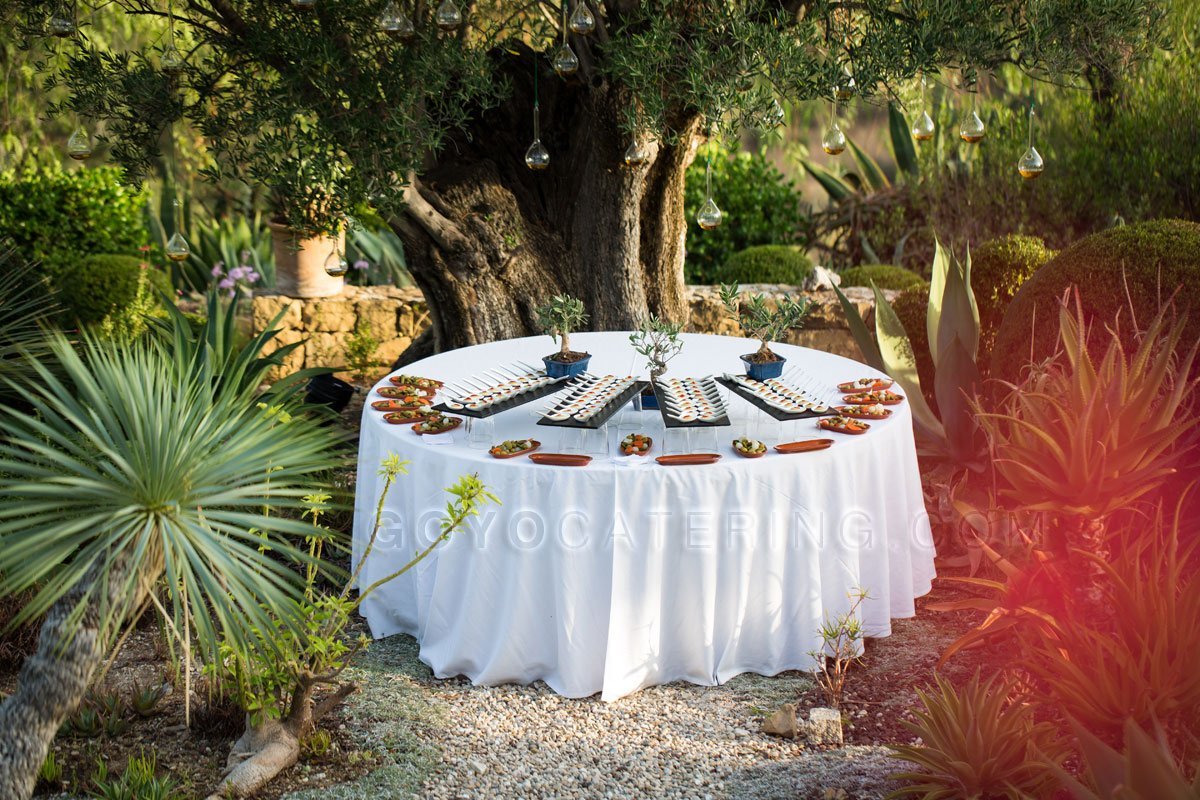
point(806, 446)
point(456, 423)
point(560, 459)
point(689, 458)
point(536, 444)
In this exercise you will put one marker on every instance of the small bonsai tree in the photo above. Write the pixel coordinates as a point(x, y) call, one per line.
point(760, 321)
point(658, 340)
point(557, 318)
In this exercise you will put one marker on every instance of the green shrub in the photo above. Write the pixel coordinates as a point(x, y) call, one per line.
point(1136, 264)
point(885, 276)
point(56, 217)
point(998, 269)
point(101, 284)
point(761, 206)
point(766, 263)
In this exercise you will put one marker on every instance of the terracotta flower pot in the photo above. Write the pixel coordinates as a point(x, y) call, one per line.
point(300, 263)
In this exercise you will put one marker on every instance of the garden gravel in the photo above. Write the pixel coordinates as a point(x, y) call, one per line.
point(448, 740)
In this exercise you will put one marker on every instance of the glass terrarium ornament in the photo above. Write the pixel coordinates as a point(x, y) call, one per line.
point(447, 16)
point(1031, 164)
point(834, 141)
point(61, 26)
point(583, 21)
point(79, 146)
point(171, 61)
point(537, 157)
point(709, 216)
point(637, 153)
point(972, 129)
point(335, 263)
point(923, 129)
point(565, 61)
point(177, 246)
point(393, 22)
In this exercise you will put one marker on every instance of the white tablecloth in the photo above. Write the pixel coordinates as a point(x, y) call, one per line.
point(611, 578)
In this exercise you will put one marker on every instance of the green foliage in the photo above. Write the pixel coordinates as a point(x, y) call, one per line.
point(144, 700)
point(559, 316)
point(115, 288)
point(657, 340)
point(762, 207)
point(766, 263)
point(27, 307)
point(1122, 274)
point(130, 321)
point(760, 321)
point(978, 744)
point(361, 351)
point(1146, 770)
point(999, 268)
point(841, 649)
point(885, 276)
point(144, 465)
point(139, 781)
point(51, 772)
point(55, 217)
point(911, 307)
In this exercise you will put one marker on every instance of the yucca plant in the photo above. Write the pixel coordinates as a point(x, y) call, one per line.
point(1146, 770)
point(977, 743)
point(127, 471)
point(27, 308)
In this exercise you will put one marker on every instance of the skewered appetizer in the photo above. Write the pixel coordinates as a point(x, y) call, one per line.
point(513, 447)
point(864, 412)
point(589, 397)
point(410, 415)
point(636, 444)
point(406, 398)
point(437, 423)
point(843, 425)
point(750, 448)
point(865, 385)
point(882, 398)
point(416, 380)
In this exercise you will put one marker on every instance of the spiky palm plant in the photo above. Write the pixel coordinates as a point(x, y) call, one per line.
point(27, 306)
point(128, 480)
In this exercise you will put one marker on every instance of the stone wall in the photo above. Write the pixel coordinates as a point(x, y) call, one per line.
point(397, 316)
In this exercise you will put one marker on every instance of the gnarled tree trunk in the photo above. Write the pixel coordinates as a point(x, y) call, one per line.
point(488, 239)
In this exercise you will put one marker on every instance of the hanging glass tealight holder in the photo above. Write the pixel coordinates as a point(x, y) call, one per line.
point(565, 61)
point(447, 16)
point(537, 157)
point(79, 146)
point(393, 22)
point(303, 3)
point(1031, 164)
point(972, 129)
point(583, 21)
point(775, 114)
point(834, 141)
point(923, 129)
point(61, 26)
point(709, 216)
point(846, 87)
point(177, 246)
point(638, 153)
point(335, 263)
point(171, 61)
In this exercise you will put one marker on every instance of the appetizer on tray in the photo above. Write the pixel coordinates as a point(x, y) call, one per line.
point(865, 385)
point(409, 415)
point(588, 398)
point(493, 387)
point(406, 398)
point(515, 447)
point(437, 423)
point(881, 398)
point(843, 425)
point(396, 405)
point(692, 400)
point(427, 384)
point(636, 444)
point(412, 388)
point(864, 412)
point(749, 448)
point(781, 395)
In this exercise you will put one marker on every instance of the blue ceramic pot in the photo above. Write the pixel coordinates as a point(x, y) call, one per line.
point(649, 400)
point(559, 369)
point(765, 370)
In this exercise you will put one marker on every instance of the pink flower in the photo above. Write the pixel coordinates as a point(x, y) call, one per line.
point(218, 269)
point(227, 283)
point(362, 264)
point(237, 273)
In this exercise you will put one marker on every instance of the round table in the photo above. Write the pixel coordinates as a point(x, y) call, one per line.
point(626, 573)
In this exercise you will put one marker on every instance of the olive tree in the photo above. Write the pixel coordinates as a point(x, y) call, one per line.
point(333, 106)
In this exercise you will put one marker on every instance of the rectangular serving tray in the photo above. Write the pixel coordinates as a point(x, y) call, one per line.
point(671, 422)
point(512, 402)
point(777, 413)
point(600, 417)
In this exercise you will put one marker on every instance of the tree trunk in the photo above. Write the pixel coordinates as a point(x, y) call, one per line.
point(487, 239)
point(53, 680)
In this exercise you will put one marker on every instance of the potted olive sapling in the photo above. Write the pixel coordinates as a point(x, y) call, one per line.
point(657, 340)
point(557, 318)
point(761, 321)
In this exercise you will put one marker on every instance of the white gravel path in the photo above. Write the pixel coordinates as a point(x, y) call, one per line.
point(451, 740)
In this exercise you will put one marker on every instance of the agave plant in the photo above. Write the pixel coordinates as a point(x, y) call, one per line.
point(952, 322)
point(127, 471)
point(1147, 770)
point(977, 743)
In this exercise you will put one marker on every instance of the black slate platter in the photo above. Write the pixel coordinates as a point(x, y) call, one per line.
point(601, 416)
point(512, 402)
point(777, 413)
point(671, 422)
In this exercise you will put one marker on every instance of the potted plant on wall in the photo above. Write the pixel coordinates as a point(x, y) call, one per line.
point(657, 340)
point(557, 318)
point(761, 321)
point(307, 236)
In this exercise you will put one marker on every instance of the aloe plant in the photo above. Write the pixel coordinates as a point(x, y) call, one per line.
point(952, 323)
point(1145, 771)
